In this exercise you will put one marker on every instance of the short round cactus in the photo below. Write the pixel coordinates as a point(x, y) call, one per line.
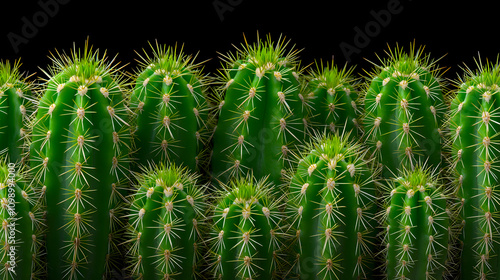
point(166, 219)
point(246, 239)
point(331, 210)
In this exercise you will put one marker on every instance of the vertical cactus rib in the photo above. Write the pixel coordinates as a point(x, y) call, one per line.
point(80, 156)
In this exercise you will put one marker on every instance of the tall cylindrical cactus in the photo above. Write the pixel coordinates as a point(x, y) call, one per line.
point(474, 126)
point(417, 225)
point(165, 231)
point(261, 118)
point(332, 210)
point(333, 95)
point(16, 106)
point(80, 155)
point(171, 109)
point(21, 219)
point(404, 110)
point(246, 239)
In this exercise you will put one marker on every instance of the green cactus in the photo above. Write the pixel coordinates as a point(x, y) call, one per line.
point(417, 222)
point(80, 154)
point(21, 231)
point(331, 211)
point(172, 111)
point(246, 239)
point(474, 126)
point(332, 94)
point(16, 107)
point(166, 219)
point(404, 110)
point(261, 118)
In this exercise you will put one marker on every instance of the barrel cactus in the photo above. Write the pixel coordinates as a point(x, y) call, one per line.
point(332, 210)
point(261, 119)
point(80, 156)
point(404, 110)
point(246, 240)
point(166, 224)
point(16, 106)
point(417, 223)
point(21, 218)
point(170, 103)
point(474, 124)
point(333, 95)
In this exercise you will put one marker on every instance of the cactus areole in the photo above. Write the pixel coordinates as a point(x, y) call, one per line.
point(80, 154)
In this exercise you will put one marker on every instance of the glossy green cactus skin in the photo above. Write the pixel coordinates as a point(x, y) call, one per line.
point(171, 109)
point(404, 111)
point(333, 99)
point(166, 224)
point(331, 210)
point(16, 106)
point(416, 221)
point(474, 124)
point(80, 155)
point(261, 118)
point(21, 231)
point(246, 239)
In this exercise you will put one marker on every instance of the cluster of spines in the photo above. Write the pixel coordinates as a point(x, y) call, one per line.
point(80, 156)
point(404, 110)
point(16, 107)
point(331, 211)
point(417, 227)
point(333, 98)
point(246, 239)
point(171, 108)
point(474, 125)
point(166, 224)
point(21, 230)
point(261, 119)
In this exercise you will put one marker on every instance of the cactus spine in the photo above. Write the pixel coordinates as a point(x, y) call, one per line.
point(332, 210)
point(246, 235)
point(416, 227)
point(165, 218)
point(16, 106)
point(80, 155)
point(170, 103)
point(474, 124)
point(21, 220)
point(333, 97)
point(404, 110)
point(261, 118)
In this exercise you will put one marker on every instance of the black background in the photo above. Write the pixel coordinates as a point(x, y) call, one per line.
point(318, 27)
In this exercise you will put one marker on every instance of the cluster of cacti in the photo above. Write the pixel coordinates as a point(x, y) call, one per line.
point(416, 226)
point(333, 99)
point(474, 136)
point(246, 237)
point(169, 101)
point(262, 112)
point(332, 211)
point(16, 106)
point(166, 219)
point(113, 169)
point(404, 111)
point(80, 157)
point(21, 224)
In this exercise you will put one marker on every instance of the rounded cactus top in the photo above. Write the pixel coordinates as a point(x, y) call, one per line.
point(417, 180)
point(487, 76)
point(11, 77)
